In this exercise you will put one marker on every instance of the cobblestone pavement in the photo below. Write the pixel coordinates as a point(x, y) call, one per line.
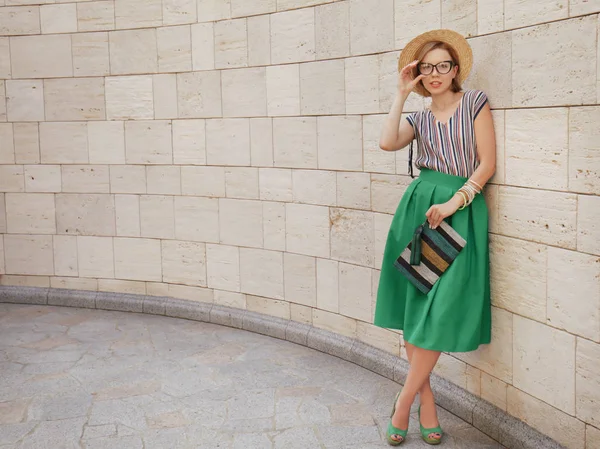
point(91, 379)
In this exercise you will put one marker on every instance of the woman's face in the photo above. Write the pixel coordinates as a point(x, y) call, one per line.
point(437, 79)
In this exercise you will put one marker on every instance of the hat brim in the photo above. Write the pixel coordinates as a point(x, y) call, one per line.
point(453, 39)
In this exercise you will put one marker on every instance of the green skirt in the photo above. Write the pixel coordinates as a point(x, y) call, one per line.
point(455, 316)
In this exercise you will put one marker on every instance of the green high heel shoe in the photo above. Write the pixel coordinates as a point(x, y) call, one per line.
point(394, 431)
point(426, 432)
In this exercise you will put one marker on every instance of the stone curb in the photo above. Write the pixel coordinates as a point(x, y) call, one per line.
point(489, 419)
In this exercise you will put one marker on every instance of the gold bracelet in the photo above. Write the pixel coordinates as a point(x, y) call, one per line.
point(465, 199)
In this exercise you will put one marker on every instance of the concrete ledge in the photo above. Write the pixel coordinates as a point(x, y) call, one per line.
point(506, 429)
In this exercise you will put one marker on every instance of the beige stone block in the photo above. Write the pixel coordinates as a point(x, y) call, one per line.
point(58, 18)
point(293, 36)
point(489, 73)
point(354, 190)
point(127, 211)
point(7, 145)
point(452, 369)
point(137, 259)
point(293, 4)
point(340, 143)
point(314, 187)
point(240, 222)
point(574, 292)
point(223, 267)
point(551, 51)
point(259, 39)
point(499, 130)
point(413, 17)
point(273, 225)
point(85, 179)
point(460, 15)
point(242, 8)
point(386, 192)
point(230, 299)
point(25, 100)
point(537, 148)
point(148, 142)
point(535, 371)
point(371, 26)
point(375, 159)
point(261, 272)
point(588, 381)
point(30, 213)
point(179, 12)
point(5, 71)
point(163, 180)
point(295, 142)
point(539, 216)
point(118, 286)
point(300, 279)
point(473, 381)
point(203, 46)
point(490, 16)
point(65, 255)
point(584, 150)
point(20, 20)
point(302, 314)
point(96, 16)
point(381, 223)
point(2, 266)
point(283, 90)
point(231, 44)
point(74, 99)
point(493, 390)
point(362, 85)
point(157, 289)
point(580, 7)
point(2, 214)
point(174, 49)
point(189, 142)
point(267, 306)
point(133, 51)
point(199, 94)
point(322, 88)
point(241, 182)
point(377, 337)
point(71, 283)
point(355, 292)
point(3, 116)
point(334, 323)
point(29, 254)
point(90, 54)
point(197, 219)
point(518, 271)
point(41, 56)
point(95, 257)
point(138, 13)
point(307, 230)
point(588, 227)
point(12, 178)
point(165, 96)
point(127, 179)
point(327, 285)
point(106, 142)
point(228, 142)
point(203, 181)
point(43, 178)
point(212, 10)
point(332, 23)
point(592, 437)
point(261, 142)
point(26, 281)
point(244, 92)
point(63, 143)
point(157, 216)
point(85, 214)
point(519, 13)
point(129, 97)
point(490, 193)
point(558, 425)
point(496, 358)
point(184, 263)
point(197, 294)
point(352, 236)
point(26, 143)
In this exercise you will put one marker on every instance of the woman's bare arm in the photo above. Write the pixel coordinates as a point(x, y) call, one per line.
point(395, 135)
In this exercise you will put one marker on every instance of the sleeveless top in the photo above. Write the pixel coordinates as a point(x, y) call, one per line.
point(448, 147)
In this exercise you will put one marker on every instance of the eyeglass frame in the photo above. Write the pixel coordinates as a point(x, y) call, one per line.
point(434, 67)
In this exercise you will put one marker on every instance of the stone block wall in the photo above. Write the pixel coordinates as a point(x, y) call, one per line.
point(227, 151)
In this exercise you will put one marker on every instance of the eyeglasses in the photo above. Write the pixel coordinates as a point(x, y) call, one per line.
point(441, 67)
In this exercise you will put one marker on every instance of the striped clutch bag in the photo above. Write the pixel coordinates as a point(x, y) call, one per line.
point(429, 254)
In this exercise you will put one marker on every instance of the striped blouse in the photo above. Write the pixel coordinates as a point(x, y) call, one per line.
point(449, 147)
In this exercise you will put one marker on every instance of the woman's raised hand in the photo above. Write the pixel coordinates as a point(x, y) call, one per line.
point(406, 81)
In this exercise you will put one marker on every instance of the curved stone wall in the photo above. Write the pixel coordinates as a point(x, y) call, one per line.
point(225, 151)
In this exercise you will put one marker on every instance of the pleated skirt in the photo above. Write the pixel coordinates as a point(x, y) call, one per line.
point(455, 316)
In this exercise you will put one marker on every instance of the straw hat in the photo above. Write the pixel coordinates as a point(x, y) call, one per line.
point(453, 39)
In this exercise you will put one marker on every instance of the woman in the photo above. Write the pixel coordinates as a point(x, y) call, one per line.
point(456, 156)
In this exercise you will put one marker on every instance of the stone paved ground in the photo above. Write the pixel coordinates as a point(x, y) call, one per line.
point(90, 379)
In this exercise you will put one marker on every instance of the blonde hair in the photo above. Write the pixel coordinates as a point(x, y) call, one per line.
point(455, 87)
